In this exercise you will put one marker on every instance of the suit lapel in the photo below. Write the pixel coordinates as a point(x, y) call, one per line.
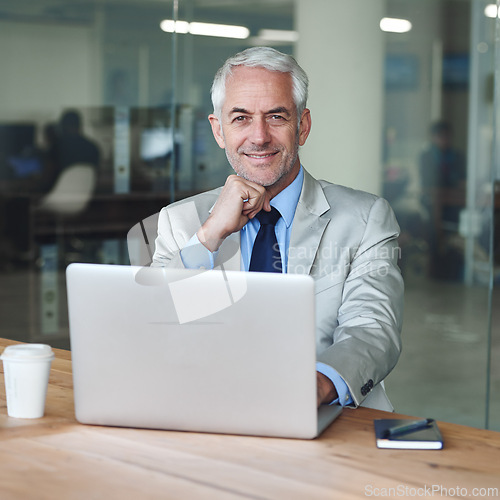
point(308, 226)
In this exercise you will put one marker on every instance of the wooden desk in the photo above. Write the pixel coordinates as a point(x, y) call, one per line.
point(57, 458)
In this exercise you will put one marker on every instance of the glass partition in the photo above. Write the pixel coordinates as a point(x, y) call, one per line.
point(493, 382)
point(133, 78)
point(439, 122)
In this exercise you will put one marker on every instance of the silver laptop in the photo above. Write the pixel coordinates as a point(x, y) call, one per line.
point(206, 351)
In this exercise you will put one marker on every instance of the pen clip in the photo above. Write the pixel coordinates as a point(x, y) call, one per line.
point(412, 426)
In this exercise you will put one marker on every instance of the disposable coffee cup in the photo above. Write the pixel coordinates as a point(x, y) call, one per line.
point(26, 371)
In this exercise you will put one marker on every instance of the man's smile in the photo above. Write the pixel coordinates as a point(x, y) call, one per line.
point(261, 156)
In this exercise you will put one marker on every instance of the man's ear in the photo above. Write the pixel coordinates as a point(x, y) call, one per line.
point(305, 126)
point(217, 130)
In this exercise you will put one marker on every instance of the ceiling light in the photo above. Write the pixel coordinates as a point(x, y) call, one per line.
point(206, 29)
point(169, 26)
point(491, 10)
point(278, 35)
point(393, 25)
point(222, 30)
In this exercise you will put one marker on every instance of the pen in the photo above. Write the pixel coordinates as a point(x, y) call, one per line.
point(410, 427)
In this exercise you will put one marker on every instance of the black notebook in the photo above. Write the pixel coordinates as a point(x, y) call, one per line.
point(428, 437)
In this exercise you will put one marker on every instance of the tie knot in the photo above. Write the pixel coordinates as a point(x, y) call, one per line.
point(268, 217)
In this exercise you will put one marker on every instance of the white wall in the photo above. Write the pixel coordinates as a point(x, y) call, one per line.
point(341, 48)
point(45, 68)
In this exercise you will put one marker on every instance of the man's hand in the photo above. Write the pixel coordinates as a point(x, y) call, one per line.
point(326, 391)
point(239, 201)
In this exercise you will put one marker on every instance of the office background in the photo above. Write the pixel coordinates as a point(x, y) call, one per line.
point(381, 74)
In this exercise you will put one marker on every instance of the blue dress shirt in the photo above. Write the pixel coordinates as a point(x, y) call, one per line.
point(196, 256)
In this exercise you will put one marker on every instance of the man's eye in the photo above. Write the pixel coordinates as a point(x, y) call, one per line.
point(240, 118)
point(276, 117)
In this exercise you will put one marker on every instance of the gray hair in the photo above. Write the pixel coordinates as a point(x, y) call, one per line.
point(261, 57)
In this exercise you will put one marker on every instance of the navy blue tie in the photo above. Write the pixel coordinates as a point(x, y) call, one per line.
point(266, 256)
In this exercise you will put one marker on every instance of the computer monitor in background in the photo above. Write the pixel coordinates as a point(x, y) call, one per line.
point(18, 158)
point(156, 143)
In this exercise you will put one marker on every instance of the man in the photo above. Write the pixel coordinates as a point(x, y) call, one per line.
point(345, 239)
point(443, 171)
point(68, 146)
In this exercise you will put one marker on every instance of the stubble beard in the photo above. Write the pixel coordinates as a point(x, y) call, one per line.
point(276, 175)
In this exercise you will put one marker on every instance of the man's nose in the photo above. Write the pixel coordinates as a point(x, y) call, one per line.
point(260, 133)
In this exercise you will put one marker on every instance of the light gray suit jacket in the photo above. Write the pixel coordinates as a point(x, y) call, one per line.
point(347, 241)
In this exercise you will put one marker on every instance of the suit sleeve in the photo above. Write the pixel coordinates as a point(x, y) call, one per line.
point(167, 249)
point(176, 243)
point(367, 341)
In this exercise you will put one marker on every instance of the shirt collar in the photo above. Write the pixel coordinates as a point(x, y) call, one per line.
point(286, 201)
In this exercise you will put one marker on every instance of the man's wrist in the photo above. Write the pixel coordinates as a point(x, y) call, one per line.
point(326, 390)
point(196, 256)
point(344, 396)
point(209, 240)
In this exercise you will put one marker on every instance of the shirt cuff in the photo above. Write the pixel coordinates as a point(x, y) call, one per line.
point(344, 398)
point(196, 256)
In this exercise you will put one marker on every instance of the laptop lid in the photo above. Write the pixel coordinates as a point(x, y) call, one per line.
point(208, 351)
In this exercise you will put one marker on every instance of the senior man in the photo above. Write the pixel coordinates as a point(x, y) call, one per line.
point(345, 239)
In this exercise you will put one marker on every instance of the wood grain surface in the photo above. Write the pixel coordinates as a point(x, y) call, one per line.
point(55, 457)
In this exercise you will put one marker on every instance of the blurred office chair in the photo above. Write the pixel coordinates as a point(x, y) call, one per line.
point(71, 193)
point(68, 198)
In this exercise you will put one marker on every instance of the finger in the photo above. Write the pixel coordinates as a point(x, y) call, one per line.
point(254, 200)
point(252, 211)
point(242, 184)
point(264, 205)
point(267, 203)
point(253, 197)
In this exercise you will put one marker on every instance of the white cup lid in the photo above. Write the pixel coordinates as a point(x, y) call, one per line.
point(27, 352)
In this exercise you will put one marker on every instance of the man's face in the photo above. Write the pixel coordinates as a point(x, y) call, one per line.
point(259, 129)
